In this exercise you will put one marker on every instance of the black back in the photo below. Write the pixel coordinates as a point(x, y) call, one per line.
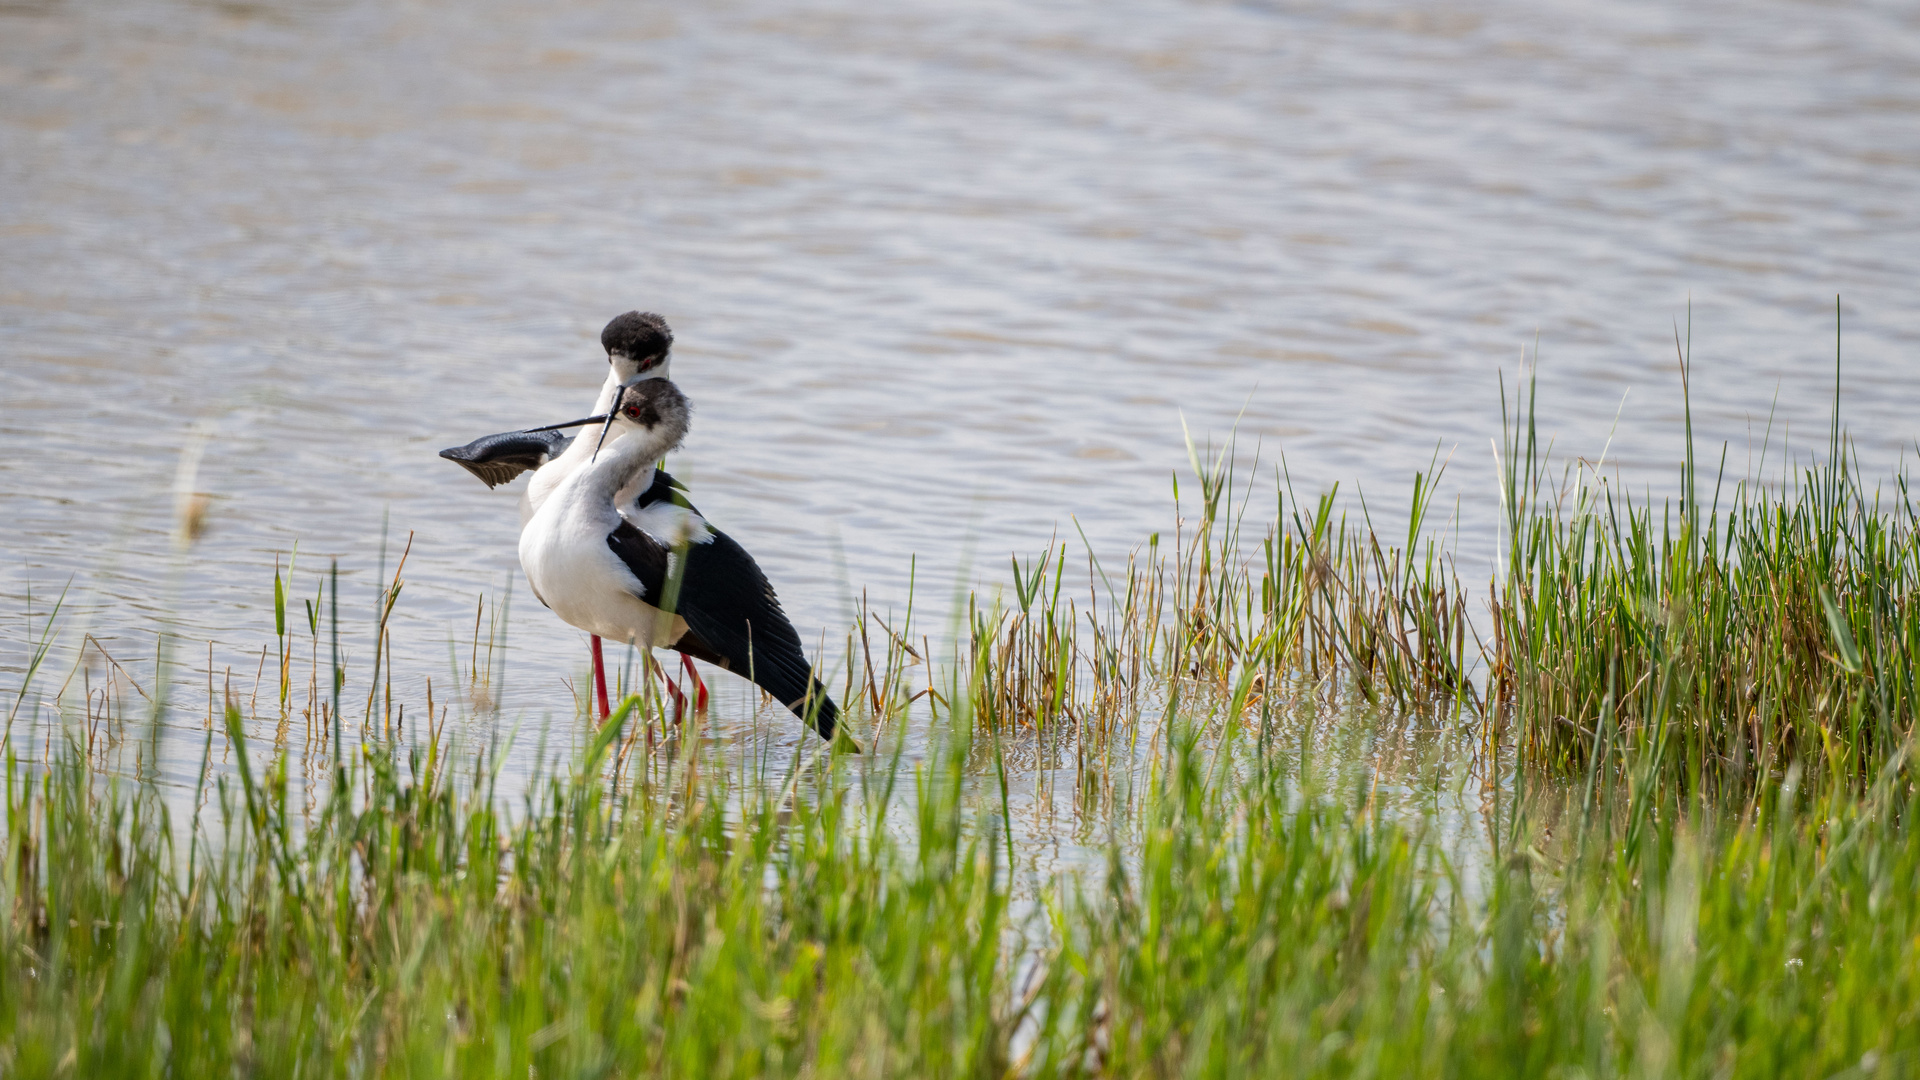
point(732, 612)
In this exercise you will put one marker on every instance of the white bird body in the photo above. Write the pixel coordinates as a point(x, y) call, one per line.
point(563, 545)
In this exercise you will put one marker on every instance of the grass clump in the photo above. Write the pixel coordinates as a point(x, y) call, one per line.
point(411, 928)
point(1313, 604)
point(1332, 941)
point(1724, 636)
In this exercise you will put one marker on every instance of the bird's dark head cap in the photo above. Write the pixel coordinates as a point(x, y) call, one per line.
point(639, 336)
point(652, 401)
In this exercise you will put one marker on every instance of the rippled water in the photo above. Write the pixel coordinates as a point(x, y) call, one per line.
point(946, 278)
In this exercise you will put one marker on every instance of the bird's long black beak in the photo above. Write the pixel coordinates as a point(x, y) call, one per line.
point(582, 422)
point(612, 411)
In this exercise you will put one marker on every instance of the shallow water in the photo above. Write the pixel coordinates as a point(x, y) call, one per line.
point(946, 281)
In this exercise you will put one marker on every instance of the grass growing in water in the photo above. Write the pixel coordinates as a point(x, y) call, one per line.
point(1253, 920)
point(1721, 637)
point(1255, 914)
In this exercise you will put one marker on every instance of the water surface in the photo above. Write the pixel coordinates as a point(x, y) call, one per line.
point(946, 280)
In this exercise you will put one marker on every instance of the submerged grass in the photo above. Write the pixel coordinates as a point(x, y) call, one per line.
point(1703, 866)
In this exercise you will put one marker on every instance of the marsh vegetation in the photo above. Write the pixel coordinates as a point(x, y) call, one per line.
point(1685, 728)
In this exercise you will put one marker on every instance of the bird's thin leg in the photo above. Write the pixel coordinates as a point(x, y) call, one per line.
point(699, 684)
point(600, 678)
point(653, 667)
point(673, 690)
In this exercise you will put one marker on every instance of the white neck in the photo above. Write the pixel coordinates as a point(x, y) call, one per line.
point(548, 478)
point(581, 449)
point(626, 460)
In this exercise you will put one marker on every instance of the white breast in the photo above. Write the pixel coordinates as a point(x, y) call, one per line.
point(564, 552)
point(541, 485)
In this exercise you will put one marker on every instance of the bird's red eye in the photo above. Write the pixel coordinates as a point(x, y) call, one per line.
point(632, 412)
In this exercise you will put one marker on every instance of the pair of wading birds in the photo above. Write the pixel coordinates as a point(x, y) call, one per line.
point(609, 541)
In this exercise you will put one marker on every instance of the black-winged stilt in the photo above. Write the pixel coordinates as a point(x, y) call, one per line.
point(659, 574)
point(639, 345)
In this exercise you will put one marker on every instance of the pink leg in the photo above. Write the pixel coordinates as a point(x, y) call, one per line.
point(673, 690)
point(600, 679)
point(699, 685)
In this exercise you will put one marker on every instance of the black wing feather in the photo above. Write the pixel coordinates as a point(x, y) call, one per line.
point(496, 459)
point(730, 606)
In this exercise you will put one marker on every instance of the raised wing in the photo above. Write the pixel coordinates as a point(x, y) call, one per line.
point(496, 459)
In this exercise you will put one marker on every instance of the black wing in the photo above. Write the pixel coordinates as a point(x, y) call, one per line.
point(733, 615)
point(664, 489)
point(496, 459)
